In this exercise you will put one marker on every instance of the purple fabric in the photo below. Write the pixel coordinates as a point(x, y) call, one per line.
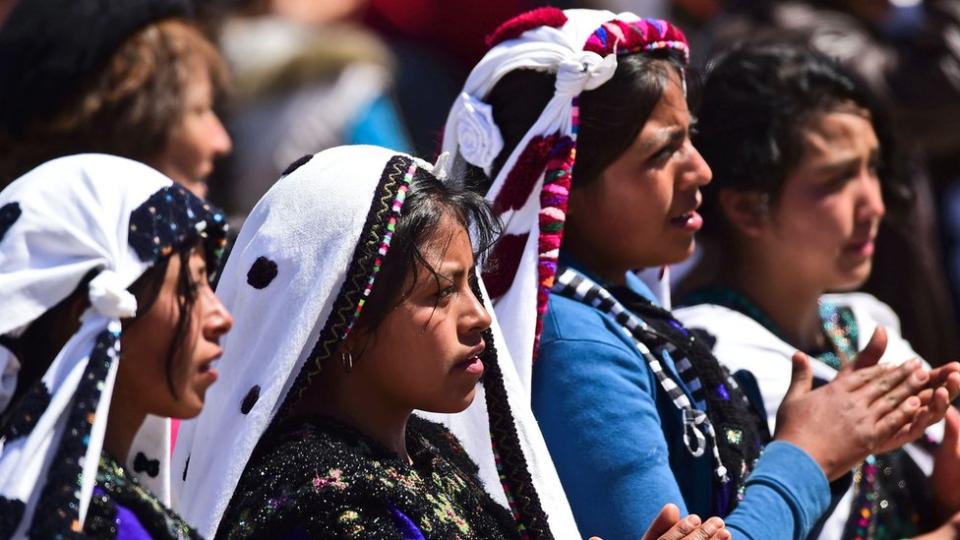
point(128, 525)
point(405, 525)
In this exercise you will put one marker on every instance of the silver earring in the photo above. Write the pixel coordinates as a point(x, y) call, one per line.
point(346, 358)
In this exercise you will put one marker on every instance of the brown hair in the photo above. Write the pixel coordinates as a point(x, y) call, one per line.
point(127, 108)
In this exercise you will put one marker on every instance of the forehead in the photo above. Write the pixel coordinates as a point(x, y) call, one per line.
point(838, 132)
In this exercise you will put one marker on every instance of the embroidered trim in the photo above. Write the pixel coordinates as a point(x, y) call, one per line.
point(621, 37)
point(515, 27)
point(58, 510)
point(395, 210)
point(365, 254)
point(28, 413)
point(511, 464)
point(554, 196)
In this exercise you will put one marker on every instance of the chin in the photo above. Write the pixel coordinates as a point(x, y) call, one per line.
point(455, 405)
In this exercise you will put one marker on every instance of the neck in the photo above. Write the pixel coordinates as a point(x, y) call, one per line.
point(790, 304)
point(122, 425)
point(343, 396)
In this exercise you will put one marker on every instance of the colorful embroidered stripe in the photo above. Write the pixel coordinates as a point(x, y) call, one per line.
point(385, 240)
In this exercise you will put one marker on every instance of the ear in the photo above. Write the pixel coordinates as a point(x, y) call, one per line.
point(747, 211)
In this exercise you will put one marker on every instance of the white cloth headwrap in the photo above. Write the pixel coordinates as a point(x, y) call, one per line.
point(75, 215)
point(471, 134)
point(308, 224)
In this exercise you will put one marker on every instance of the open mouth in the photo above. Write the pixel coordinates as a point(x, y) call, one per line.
point(690, 221)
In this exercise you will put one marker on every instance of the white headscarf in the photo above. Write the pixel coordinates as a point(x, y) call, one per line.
point(301, 265)
point(61, 221)
point(580, 47)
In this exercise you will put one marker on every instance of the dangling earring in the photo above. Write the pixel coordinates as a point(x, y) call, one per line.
point(346, 358)
point(764, 206)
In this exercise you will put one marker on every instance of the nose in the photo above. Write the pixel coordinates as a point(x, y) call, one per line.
point(697, 173)
point(476, 317)
point(218, 320)
point(220, 143)
point(871, 204)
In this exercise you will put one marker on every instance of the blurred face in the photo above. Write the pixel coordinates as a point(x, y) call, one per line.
point(824, 224)
point(641, 211)
point(425, 353)
point(197, 139)
point(145, 342)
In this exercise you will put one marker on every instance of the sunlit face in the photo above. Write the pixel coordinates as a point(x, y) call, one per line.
point(197, 139)
point(145, 342)
point(425, 353)
point(824, 223)
point(641, 211)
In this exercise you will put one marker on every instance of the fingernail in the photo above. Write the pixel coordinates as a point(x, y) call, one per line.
point(693, 520)
point(920, 376)
point(913, 401)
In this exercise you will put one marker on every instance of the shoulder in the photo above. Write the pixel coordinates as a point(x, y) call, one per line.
point(738, 341)
point(570, 323)
point(306, 476)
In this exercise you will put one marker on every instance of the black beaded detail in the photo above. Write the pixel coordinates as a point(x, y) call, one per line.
point(173, 218)
point(186, 467)
point(57, 513)
point(364, 254)
point(302, 160)
point(141, 463)
point(261, 273)
point(511, 463)
point(250, 399)
point(318, 478)
point(118, 488)
point(11, 512)
point(9, 213)
point(29, 410)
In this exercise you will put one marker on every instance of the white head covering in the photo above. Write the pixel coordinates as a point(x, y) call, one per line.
point(61, 221)
point(530, 191)
point(303, 264)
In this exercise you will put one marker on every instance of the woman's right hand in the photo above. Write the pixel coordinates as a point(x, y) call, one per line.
point(868, 408)
point(668, 526)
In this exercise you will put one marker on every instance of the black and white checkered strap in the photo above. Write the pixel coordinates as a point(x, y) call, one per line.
point(696, 426)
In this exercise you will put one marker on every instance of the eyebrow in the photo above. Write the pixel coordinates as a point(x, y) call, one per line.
point(661, 137)
point(842, 165)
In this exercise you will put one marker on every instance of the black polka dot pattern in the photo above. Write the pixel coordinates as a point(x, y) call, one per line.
point(9, 213)
point(296, 164)
point(261, 273)
point(250, 400)
point(142, 463)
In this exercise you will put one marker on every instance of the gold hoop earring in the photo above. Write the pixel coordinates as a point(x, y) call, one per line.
point(346, 358)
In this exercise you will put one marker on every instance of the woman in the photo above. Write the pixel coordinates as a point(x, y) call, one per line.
point(577, 128)
point(108, 311)
point(796, 205)
point(356, 303)
point(134, 79)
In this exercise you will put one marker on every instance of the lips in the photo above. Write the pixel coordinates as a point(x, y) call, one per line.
point(690, 221)
point(473, 364)
point(864, 248)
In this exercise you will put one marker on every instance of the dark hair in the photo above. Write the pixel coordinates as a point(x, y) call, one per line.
point(757, 102)
point(427, 201)
point(611, 116)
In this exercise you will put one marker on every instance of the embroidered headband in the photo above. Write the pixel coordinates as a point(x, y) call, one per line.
point(529, 193)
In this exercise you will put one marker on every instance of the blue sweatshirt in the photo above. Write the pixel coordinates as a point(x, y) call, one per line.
point(617, 442)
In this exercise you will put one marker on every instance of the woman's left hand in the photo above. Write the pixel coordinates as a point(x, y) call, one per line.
point(946, 466)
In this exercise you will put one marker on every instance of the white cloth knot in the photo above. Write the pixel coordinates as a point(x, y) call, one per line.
point(587, 71)
point(110, 297)
point(477, 134)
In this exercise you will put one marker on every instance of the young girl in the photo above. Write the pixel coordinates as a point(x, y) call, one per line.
point(356, 303)
point(575, 125)
point(108, 323)
point(796, 205)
